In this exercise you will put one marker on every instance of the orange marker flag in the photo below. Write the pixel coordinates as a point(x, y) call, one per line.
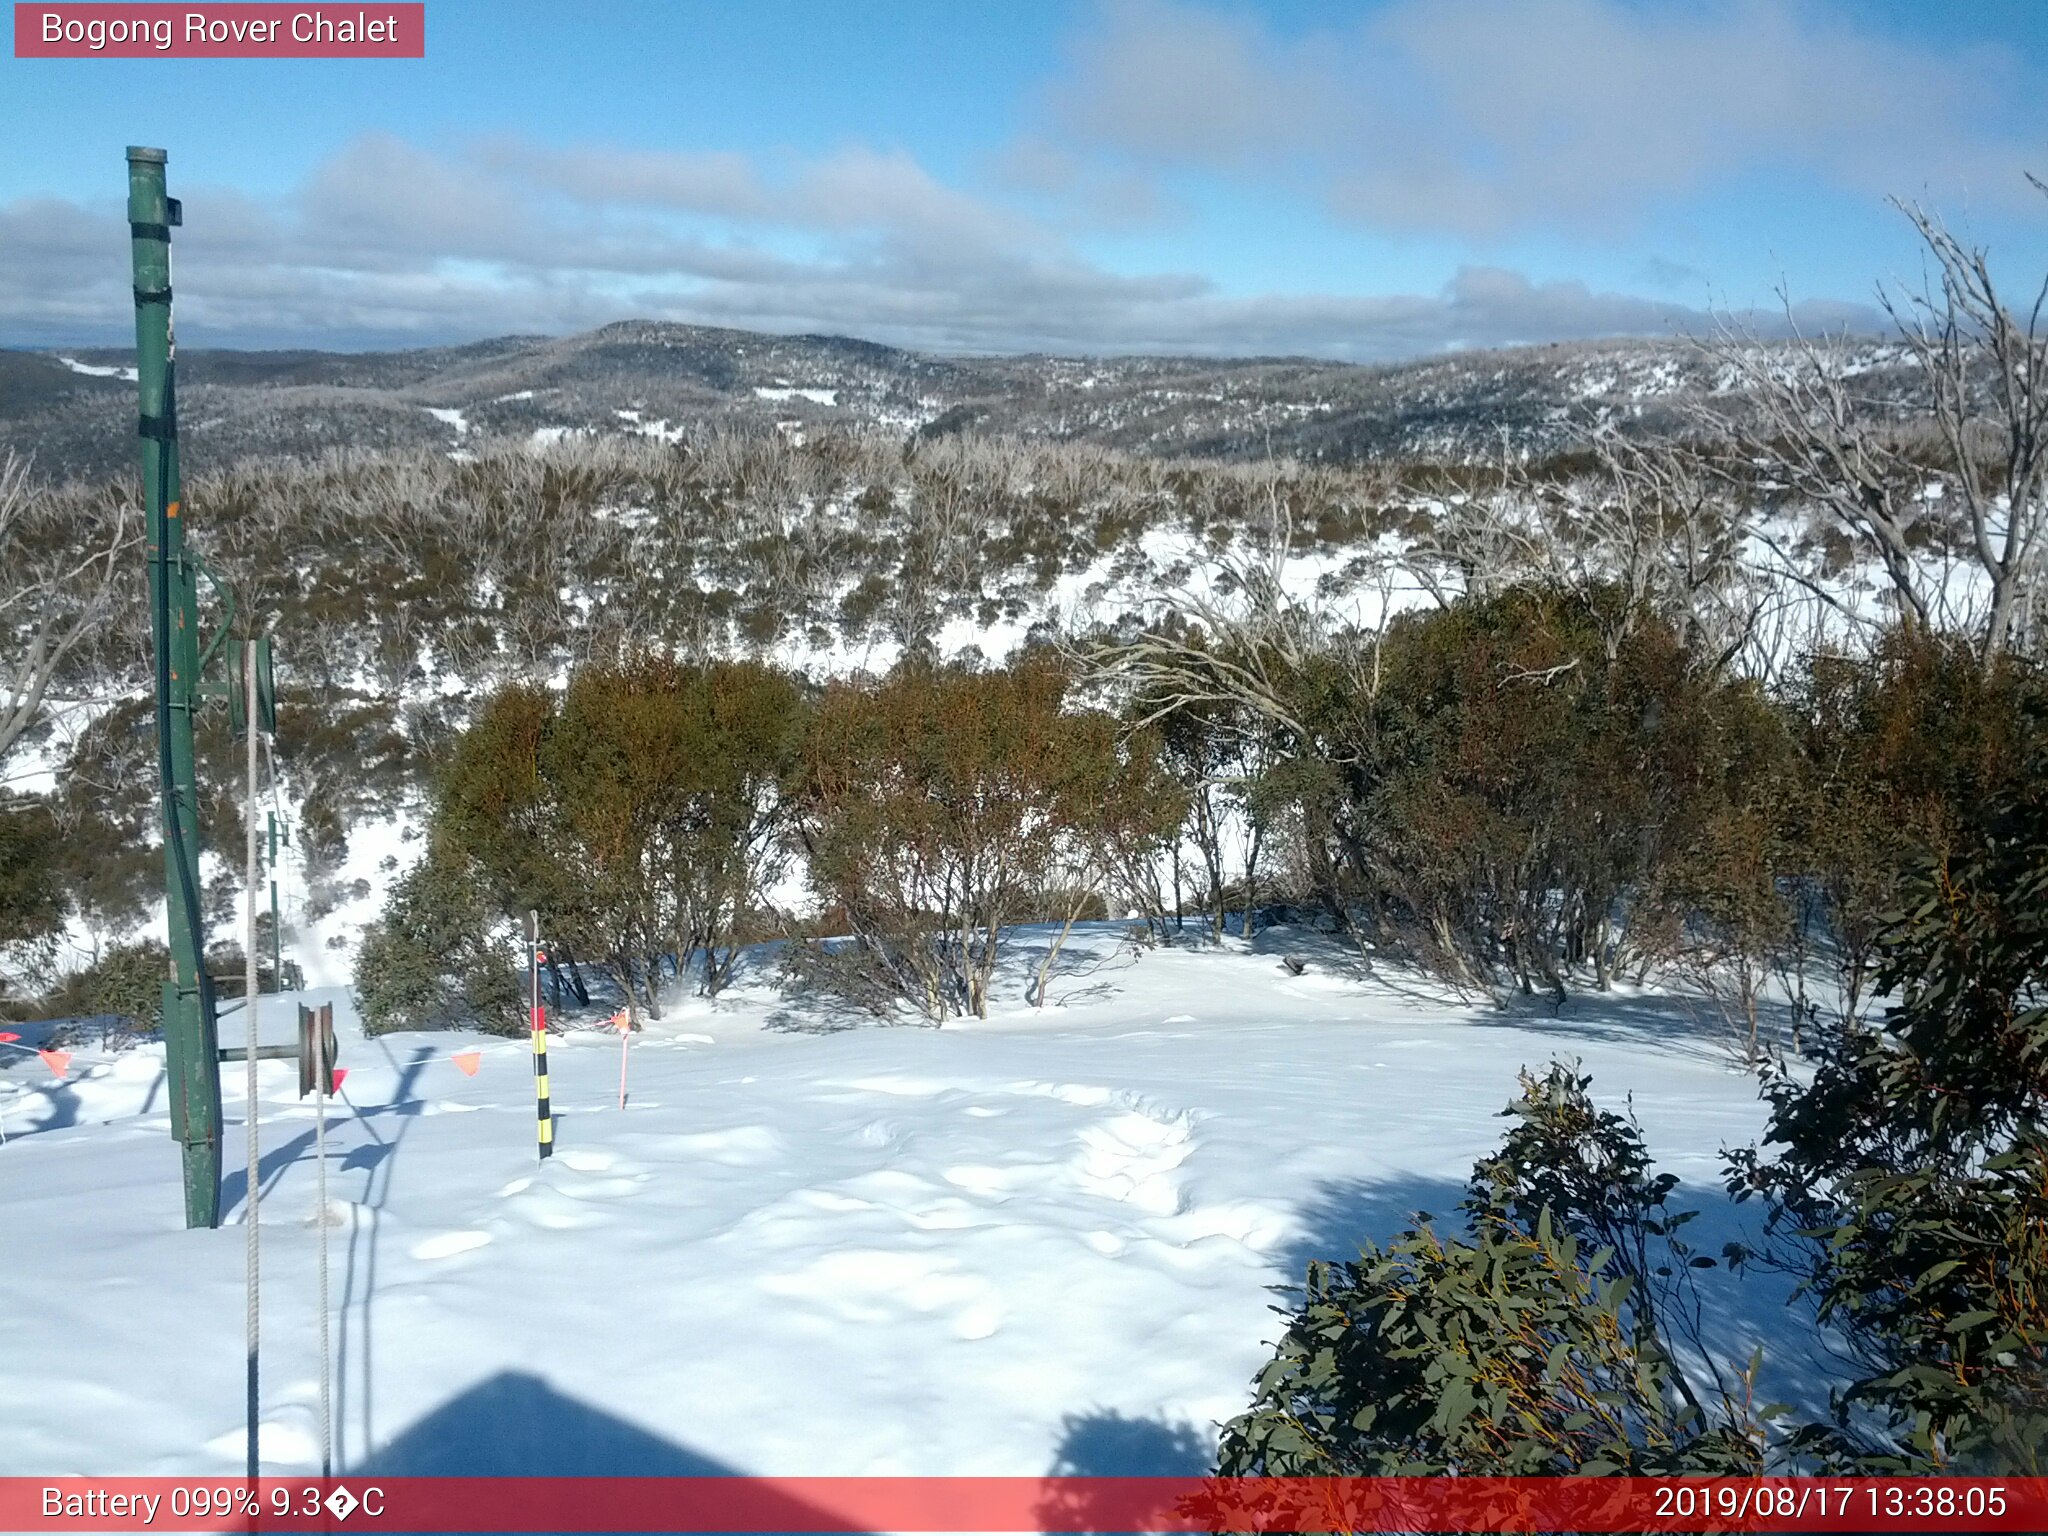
point(57, 1061)
point(340, 1074)
point(468, 1061)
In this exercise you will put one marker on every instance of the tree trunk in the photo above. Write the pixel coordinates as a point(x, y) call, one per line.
point(577, 988)
point(1251, 881)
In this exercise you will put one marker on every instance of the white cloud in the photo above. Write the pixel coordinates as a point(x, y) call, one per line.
point(388, 241)
point(1475, 117)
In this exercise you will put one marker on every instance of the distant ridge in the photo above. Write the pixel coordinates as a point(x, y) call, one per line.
point(639, 375)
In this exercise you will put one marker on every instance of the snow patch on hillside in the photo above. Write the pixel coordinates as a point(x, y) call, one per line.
point(96, 371)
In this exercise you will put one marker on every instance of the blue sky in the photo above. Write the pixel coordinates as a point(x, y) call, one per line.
point(1348, 180)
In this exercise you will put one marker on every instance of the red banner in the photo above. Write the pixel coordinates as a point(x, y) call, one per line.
point(1052, 1504)
point(235, 31)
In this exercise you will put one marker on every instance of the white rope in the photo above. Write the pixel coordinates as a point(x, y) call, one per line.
point(254, 1321)
point(320, 1162)
point(322, 1066)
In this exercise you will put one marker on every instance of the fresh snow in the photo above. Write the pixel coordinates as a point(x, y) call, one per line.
point(782, 396)
point(1000, 1247)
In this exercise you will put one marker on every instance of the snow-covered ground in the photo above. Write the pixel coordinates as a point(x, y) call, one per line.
point(1047, 1240)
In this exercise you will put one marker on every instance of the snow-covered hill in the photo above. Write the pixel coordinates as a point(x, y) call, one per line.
point(659, 379)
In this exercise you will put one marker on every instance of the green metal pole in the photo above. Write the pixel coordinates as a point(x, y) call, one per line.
point(191, 1045)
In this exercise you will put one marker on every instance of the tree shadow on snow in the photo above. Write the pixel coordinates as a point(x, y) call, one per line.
point(1344, 1214)
point(1738, 1313)
point(1669, 1023)
point(1109, 1444)
point(60, 1097)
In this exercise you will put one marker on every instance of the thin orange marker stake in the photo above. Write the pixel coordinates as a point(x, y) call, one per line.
point(624, 1019)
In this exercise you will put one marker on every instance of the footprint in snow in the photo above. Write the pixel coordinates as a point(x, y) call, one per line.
point(1133, 1157)
point(553, 1211)
point(585, 1163)
point(868, 1285)
point(448, 1244)
point(276, 1441)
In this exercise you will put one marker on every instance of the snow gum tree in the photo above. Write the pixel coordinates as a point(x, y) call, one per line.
point(439, 956)
point(639, 811)
point(721, 841)
point(59, 583)
point(939, 806)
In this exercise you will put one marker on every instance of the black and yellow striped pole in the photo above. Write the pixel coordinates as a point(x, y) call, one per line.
point(546, 1125)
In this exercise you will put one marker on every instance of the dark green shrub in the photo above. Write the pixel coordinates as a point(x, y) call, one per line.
point(439, 957)
point(1911, 1194)
point(1523, 1347)
point(1901, 751)
point(31, 893)
point(126, 982)
point(1532, 766)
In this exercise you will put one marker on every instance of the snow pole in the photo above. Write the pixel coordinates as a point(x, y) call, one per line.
point(624, 1019)
point(276, 942)
point(252, 1246)
point(321, 1028)
point(545, 1126)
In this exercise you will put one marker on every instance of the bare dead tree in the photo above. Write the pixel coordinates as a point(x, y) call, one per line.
point(1647, 521)
point(57, 584)
point(1986, 370)
point(1806, 426)
point(1233, 642)
point(1802, 427)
